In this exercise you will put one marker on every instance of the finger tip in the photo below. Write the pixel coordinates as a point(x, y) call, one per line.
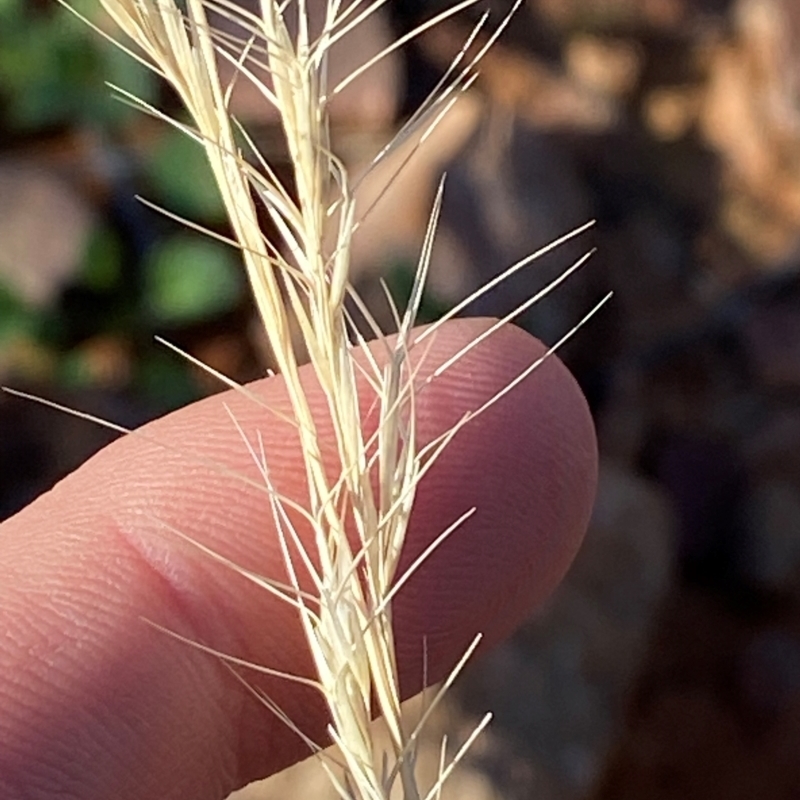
point(528, 466)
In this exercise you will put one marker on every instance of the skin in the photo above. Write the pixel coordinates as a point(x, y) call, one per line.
point(96, 703)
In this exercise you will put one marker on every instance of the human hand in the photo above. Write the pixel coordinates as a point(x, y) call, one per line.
point(94, 703)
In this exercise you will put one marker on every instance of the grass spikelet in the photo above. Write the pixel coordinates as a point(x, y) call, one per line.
point(302, 281)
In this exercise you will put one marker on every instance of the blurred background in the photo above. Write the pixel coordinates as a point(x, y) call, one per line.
point(668, 664)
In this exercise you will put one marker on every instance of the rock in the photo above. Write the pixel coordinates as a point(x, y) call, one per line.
point(605, 65)
point(658, 14)
point(705, 478)
point(769, 672)
point(44, 228)
point(510, 191)
point(558, 689)
point(772, 448)
point(715, 714)
point(772, 339)
point(750, 116)
point(774, 517)
point(522, 85)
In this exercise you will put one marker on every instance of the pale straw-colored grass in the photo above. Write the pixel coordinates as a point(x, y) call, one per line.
point(301, 282)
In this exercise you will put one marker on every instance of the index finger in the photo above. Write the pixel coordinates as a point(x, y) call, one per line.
point(96, 704)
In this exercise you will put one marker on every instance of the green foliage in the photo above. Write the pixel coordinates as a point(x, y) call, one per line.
point(52, 73)
point(178, 171)
point(102, 264)
point(165, 380)
point(53, 76)
point(188, 279)
point(16, 319)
